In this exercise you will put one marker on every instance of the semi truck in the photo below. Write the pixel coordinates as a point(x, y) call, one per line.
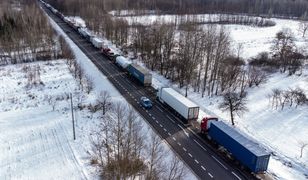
point(122, 62)
point(140, 73)
point(97, 42)
point(244, 150)
point(85, 33)
point(183, 106)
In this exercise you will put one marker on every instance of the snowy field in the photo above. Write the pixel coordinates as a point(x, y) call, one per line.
point(36, 141)
point(253, 39)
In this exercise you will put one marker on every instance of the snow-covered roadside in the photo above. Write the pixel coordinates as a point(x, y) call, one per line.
point(101, 83)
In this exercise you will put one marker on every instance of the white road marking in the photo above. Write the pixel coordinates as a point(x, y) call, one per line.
point(186, 133)
point(169, 134)
point(196, 161)
point(190, 155)
point(159, 109)
point(184, 149)
point(174, 138)
point(153, 117)
point(170, 119)
point(179, 144)
point(236, 175)
point(156, 121)
point(203, 168)
point(150, 114)
point(200, 145)
point(210, 175)
point(165, 129)
point(160, 125)
point(219, 162)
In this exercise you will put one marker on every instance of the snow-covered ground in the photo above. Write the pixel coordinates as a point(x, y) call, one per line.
point(36, 141)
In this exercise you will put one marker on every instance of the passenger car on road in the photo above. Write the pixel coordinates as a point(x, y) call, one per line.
point(146, 102)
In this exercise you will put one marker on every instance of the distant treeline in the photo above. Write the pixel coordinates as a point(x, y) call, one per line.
point(269, 8)
point(25, 33)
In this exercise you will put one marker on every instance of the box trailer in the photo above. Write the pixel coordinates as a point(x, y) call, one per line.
point(140, 73)
point(246, 151)
point(122, 62)
point(97, 42)
point(183, 106)
point(85, 33)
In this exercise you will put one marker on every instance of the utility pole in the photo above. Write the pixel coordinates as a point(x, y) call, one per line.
point(71, 97)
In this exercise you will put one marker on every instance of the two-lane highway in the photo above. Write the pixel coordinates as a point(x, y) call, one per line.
point(197, 155)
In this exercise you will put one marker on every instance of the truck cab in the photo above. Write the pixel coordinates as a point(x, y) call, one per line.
point(206, 123)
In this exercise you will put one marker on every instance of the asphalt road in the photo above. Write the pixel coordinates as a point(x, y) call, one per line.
point(198, 155)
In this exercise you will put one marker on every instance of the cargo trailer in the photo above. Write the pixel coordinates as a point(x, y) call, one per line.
point(183, 106)
point(85, 33)
point(140, 73)
point(122, 62)
point(97, 42)
point(246, 151)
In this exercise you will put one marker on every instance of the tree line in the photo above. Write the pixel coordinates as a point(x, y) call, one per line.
point(25, 33)
point(269, 8)
point(123, 148)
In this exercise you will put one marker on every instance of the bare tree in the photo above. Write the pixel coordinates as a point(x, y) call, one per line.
point(176, 169)
point(156, 155)
point(303, 27)
point(302, 145)
point(104, 101)
point(235, 103)
point(255, 76)
point(89, 84)
point(283, 48)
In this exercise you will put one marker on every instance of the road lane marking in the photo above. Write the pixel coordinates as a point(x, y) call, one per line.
point(186, 133)
point(184, 149)
point(190, 155)
point(156, 121)
point(150, 114)
point(200, 145)
point(159, 109)
point(160, 125)
point(196, 161)
point(236, 175)
point(210, 175)
point(170, 119)
point(153, 117)
point(174, 138)
point(169, 134)
point(165, 129)
point(219, 162)
point(203, 168)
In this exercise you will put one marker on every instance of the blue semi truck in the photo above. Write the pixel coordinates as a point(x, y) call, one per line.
point(140, 73)
point(249, 153)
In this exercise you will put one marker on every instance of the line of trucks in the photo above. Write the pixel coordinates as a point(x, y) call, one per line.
point(244, 150)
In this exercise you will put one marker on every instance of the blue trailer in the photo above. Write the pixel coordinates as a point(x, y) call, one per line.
point(140, 73)
point(246, 151)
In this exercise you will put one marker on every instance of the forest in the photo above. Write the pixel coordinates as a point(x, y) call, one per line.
point(268, 8)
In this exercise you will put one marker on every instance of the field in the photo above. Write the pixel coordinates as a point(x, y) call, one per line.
point(36, 139)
